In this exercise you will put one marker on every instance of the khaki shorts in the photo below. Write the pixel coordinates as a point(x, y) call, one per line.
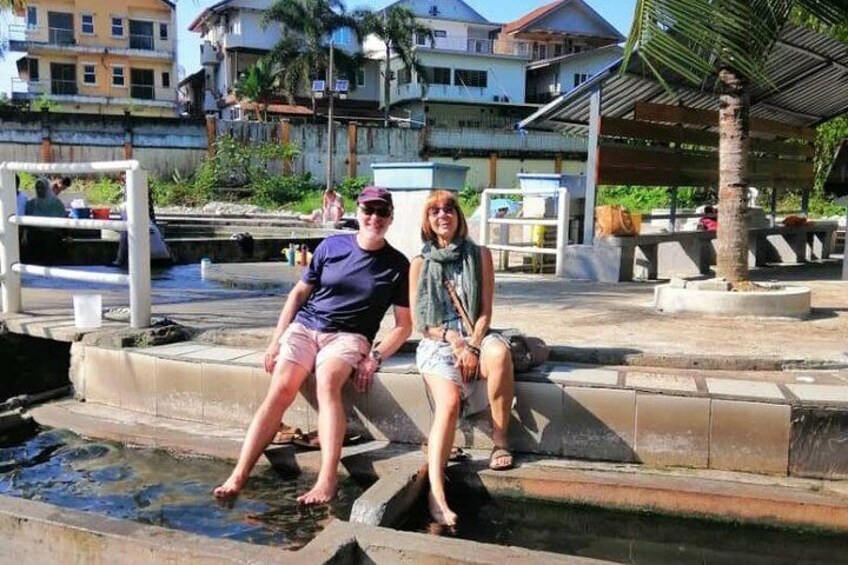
point(309, 348)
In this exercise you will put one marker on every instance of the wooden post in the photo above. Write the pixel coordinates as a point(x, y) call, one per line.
point(558, 163)
point(672, 211)
point(211, 134)
point(46, 143)
point(284, 136)
point(493, 170)
point(128, 136)
point(773, 203)
point(592, 165)
point(351, 150)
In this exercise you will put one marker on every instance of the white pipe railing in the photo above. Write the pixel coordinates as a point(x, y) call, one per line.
point(137, 226)
point(561, 223)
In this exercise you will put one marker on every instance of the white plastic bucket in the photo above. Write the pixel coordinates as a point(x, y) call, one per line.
point(87, 310)
point(205, 263)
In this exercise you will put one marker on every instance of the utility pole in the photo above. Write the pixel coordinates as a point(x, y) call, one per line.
point(330, 136)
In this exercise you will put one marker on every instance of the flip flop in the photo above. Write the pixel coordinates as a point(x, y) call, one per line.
point(456, 453)
point(310, 442)
point(285, 435)
point(500, 453)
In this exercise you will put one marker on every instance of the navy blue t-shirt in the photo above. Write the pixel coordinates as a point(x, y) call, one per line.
point(353, 287)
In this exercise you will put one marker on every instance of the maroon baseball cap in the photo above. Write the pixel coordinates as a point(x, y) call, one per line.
point(373, 194)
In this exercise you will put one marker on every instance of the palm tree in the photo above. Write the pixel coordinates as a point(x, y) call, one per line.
point(725, 42)
point(257, 85)
point(302, 54)
point(397, 28)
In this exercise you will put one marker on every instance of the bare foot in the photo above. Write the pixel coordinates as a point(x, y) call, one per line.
point(440, 511)
point(230, 489)
point(321, 493)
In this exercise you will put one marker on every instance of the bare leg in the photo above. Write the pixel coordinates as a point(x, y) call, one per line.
point(496, 368)
point(285, 383)
point(330, 377)
point(446, 398)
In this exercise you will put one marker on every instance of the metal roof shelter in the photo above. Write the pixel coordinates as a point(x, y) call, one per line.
point(809, 85)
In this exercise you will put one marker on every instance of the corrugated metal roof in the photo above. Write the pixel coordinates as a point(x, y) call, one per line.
point(808, 70)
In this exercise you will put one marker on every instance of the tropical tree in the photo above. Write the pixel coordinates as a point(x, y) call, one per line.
point(725, 43)
point(257, 85)
point(397, 28)
point(303, 52)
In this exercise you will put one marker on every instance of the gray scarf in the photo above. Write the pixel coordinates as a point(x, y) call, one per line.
point(429, 309)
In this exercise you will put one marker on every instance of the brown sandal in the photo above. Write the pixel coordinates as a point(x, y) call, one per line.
point(499, 453)
point(310, 442)
point(286, 435)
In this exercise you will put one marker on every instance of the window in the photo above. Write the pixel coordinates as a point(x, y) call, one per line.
point(437, 75)
point(89, 73)
point(557, 49)
point(63, 79)
point(166, 79)
point(117, 26)
point(421, 39)
point(580, 78)
point(31, 17)
point(32, 67)
point(118, 77)
point(163, 32)
point(141, 35)
point(141, 84)
point(360, 78)
point(471, 78)
point(60, 26)
point(87, 24)
point(404, 75)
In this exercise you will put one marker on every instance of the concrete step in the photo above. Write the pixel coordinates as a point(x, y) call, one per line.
point(658, 419)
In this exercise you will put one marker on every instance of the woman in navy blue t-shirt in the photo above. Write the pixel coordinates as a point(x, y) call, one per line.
point(327, 326)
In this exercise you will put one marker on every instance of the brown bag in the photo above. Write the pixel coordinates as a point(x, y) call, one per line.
point(613, 220)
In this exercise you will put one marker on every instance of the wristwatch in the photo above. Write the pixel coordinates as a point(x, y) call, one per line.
point(377, 356)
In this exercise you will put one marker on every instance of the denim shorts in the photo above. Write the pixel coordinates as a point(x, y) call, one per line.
point(434, 357)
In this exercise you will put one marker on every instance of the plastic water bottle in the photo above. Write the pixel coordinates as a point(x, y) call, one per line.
point(292, 251)
point(205, 263)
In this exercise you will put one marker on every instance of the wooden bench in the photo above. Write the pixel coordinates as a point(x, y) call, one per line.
point(693, 252)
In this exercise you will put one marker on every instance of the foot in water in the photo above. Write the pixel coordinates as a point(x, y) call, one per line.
point(230, 489)
point(440, 511)
point(322, 493)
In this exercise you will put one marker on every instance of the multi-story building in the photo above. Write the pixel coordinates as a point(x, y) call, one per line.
point(103, 58)
point(233, 36)
point(569, 42)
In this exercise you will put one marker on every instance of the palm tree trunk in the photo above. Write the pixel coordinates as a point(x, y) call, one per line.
point(387, 86)
point(734, 142)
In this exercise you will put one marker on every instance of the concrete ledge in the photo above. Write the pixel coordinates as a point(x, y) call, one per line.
point(783, 302)
point(82, 537)
point(390, 498)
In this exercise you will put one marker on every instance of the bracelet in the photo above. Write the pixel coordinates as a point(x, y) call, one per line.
point(444, 333)
point(473, 349)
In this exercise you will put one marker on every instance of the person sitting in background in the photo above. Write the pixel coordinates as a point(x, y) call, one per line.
point(709, 221)
point(61, 185)
point(21, 196)
point(43, 244)
point(333, 207)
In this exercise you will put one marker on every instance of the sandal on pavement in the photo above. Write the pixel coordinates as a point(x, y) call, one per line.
point(310, 442)
point(500, 459)
point(456, 453)
point(285, 435)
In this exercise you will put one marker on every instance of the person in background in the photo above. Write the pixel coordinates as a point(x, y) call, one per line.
point(160, 255)
point(466, 368)
point(333, 206)
point(20, 196)
point(43, 245)
point(61, 185)
point(326, 327)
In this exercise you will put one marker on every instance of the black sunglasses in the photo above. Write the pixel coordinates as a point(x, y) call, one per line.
point(380, 211)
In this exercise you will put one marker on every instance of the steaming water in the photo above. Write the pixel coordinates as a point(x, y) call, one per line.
point(156, 487)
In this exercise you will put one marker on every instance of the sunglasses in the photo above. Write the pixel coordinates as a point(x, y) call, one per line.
point(447, 210)
point(379, 211)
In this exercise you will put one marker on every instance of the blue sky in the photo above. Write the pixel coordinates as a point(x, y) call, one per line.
point(618, 12)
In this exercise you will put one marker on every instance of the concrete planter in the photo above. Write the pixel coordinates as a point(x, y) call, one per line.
point(778, 301)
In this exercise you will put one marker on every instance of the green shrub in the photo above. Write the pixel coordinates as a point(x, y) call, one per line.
point(641, 199)
point(104, 190)
point(273, 192)
point(350, 187)
point(469, 199)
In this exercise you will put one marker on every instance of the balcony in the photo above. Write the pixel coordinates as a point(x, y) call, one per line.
point(63, 87)
point(436, 92)
point(481, 46)
point(142, 91)
point(143, 42)
point(60, 36)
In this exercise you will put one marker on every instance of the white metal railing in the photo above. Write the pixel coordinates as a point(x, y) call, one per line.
point(561, 223)
point(136, 225)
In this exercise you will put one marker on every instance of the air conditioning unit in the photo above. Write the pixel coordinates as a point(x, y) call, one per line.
point(496, 98)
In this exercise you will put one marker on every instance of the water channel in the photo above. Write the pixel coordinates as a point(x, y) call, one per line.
point(159, 488)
